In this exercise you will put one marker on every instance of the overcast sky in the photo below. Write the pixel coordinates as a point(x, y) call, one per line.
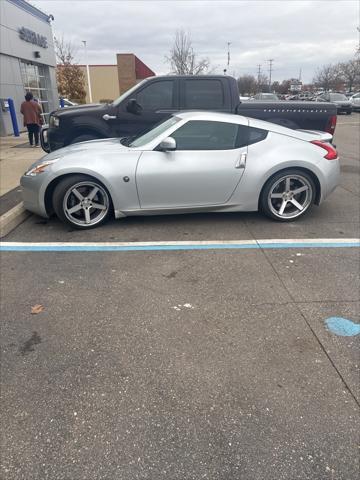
point(296, 34)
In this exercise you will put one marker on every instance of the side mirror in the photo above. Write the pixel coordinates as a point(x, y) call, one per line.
point(168, 144)
point(133, 107)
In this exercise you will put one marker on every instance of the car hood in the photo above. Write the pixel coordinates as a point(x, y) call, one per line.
point(101, 145)
point(80, 109)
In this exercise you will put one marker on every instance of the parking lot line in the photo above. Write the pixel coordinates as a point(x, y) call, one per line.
point(188, 245)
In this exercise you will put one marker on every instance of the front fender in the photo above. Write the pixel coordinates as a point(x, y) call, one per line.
point(110, 172)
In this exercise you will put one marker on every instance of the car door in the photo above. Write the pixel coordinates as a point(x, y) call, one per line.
point(158, 100)
point(204, 170)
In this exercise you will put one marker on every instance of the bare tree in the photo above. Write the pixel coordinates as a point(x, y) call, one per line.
point(247, 84)
point(327, 76)
point(350, 72)
point(182, 58)
point(262, 83)
point(70, 78)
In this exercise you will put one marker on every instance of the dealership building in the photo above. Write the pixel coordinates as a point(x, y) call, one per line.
point(27, 60)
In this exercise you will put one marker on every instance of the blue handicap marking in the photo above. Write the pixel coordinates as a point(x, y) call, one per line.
point(342, 326)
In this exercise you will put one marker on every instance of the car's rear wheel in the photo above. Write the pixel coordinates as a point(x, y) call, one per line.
point(82, 202)
point(287, 195)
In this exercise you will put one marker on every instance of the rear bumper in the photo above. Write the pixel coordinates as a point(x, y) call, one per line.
point(332, 174)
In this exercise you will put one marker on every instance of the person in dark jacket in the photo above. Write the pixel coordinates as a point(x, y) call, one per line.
point(32, 118)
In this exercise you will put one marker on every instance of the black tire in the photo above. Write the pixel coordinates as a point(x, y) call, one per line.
point(64, 200)
point(299, 179)
point(84, 138)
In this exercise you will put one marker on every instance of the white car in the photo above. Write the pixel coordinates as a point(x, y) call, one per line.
point(68, 103)
point(355, 101)
point(192, 162)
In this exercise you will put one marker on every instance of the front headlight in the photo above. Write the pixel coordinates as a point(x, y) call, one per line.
point(54, 121)
point(40, 168)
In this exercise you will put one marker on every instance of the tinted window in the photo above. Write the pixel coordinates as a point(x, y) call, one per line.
point(250, 135)
point(207, 94)
point(156, 95)
point(205, 135)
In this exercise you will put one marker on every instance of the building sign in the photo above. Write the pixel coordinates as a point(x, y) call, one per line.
point(295, 86)
point(32, 37)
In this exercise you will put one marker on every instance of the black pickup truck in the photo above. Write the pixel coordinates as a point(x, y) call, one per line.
point(156, 98)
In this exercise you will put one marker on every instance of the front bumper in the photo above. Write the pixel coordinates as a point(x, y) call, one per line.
point(344, 109)
point(51, 138)
point(44, 139)
point(33, 196)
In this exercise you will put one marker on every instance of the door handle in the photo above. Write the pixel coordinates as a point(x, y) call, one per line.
point(241, 162)
point(109, 117)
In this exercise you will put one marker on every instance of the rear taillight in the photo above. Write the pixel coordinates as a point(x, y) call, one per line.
point(331, 152)
point(330, 127)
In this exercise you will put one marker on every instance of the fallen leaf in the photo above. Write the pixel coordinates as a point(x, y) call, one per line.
point(36, 309)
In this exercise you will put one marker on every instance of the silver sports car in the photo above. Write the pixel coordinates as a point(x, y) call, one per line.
point(192, 162)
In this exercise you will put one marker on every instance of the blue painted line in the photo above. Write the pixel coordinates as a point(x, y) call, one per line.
point(171, 247)
point(342, 326)
point(119, 248)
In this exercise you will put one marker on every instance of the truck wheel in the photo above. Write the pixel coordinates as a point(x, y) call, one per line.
point(287, 195)
point(82, 202)
point(84, 138)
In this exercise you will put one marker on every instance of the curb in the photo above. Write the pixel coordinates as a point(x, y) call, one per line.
point(13, 218)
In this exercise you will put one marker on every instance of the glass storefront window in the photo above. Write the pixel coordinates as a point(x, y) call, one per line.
point(36, 80)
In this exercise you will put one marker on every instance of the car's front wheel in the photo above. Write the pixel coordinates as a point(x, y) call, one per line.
point(287, 195)
point(81, 202)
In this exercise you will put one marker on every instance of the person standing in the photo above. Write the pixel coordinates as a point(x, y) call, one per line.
point(32, 118)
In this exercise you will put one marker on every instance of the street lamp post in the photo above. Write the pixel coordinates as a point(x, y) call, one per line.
point(87, 72)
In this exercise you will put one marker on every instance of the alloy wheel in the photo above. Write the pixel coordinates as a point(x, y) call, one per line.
point(290, 196)
point(86, 203)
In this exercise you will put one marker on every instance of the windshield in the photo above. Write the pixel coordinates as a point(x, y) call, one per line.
point(337, 96)
point(155, 132)
point(127, 93)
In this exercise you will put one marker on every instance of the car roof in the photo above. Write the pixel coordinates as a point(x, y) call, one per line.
point(212, 116)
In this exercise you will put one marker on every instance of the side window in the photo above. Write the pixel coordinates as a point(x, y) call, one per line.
point(249, 136)
point(156, 95)
point(256, 135)
point(207, 94)
point(206, 135)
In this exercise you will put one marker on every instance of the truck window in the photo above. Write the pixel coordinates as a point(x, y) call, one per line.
point(156, 95)
point(207, 94)
point(206, 135)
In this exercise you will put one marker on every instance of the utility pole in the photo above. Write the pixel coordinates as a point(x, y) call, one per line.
point(259, 73)
point(87, 71)
point(228, 54)
point(270, 71)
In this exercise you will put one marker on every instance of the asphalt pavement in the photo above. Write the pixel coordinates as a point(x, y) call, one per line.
point(214, 364)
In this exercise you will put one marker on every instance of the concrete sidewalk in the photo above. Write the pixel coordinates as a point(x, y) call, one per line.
point(16, 156)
